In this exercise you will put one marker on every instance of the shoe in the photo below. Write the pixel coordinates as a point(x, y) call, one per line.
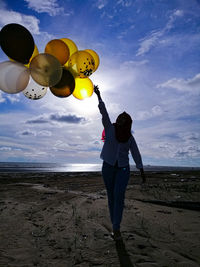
point(116, 235)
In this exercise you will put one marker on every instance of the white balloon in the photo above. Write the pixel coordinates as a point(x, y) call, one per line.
point(34, 91)
point(14, 77)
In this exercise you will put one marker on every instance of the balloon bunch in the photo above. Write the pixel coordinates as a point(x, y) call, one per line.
point(62, 68)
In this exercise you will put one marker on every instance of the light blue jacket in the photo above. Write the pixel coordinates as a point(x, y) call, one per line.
point(112, 150)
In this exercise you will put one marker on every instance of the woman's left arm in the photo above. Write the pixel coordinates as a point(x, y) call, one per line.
point(137, 158)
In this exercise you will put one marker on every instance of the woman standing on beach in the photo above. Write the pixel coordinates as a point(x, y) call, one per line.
point(116, 169)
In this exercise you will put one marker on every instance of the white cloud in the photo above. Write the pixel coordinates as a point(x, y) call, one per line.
point(27, 133)
point(171, 141)
point(151, 40)
point(157, 111)
point(145, 115)
point(5, 148)
point(187, 152)
point(176, 14)
point(101, 4)
point(36, 154)
point(30, 22)
point(177, 151)
point(133, 63)
point(191, 86)
point(45, 6)
point(44, 133)
point(2, 98)
point(12, 98)
point(125, 3)
point(148, 42)
point(190, 137)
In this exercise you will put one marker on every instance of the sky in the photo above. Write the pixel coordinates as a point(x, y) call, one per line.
point(149, 67)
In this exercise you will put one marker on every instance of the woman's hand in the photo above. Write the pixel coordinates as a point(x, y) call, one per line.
point(97, 92)
point(96, 89)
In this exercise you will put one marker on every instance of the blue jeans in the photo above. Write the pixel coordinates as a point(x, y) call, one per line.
point(115, 180)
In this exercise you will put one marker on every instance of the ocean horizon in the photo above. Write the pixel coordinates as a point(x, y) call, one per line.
point(76, 167)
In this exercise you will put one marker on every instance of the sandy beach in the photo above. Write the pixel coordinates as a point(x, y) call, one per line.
point(62, 220)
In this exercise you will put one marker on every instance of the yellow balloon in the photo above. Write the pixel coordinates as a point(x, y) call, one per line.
point(95, 56)
point(81, 64)
point(83, 88)
point(46, 70)
point(35, 53)
point(58, 49)
point(71, 45)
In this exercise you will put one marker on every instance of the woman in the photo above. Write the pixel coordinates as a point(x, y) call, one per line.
point(116, 169)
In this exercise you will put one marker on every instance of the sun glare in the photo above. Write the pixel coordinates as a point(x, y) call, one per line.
point(87, 106)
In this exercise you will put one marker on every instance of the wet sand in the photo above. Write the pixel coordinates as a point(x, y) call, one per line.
point(62, 220)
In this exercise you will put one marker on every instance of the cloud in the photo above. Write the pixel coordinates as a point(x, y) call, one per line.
point(133, 63)
point(101, 4)
point(30, 22)
point(39, 120)
point(27, 133)
point(125, 3)
point(176, 14)
point(44, 133)
point(145, 115)
point(187, 151)
point(191, 86)
point(2, 97)
point(148, 42)
point(5, 148)
point(190, 136)
point(12, 98)
point(151, 40)
point(57, 118)
point(45, 6)
point(175, 151)
point(66, 118)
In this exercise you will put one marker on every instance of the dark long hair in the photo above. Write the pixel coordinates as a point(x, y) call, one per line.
point(123, 127)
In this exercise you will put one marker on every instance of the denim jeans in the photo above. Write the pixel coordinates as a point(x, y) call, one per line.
point(115, 180)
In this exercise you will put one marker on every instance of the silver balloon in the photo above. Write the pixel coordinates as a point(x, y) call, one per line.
point(14, 77)
point(34, 91)
point(46, 69)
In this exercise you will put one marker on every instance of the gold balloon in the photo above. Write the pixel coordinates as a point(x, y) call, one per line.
point(95, 56)
point(66, 85)
point(35, 53)
point(46, 70)
point(71, 45)
point(81, 64)
point(58, 49)
point(83, 88)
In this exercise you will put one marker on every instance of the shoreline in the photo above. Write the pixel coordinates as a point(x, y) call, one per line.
point(79, 168)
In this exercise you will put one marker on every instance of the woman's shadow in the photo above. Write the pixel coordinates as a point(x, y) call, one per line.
point(124, 258)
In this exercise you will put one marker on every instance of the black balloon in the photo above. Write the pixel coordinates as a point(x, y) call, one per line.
point(17, 42)
point(66, 85)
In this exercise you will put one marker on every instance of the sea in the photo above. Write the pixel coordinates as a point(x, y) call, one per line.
point(78, 167)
